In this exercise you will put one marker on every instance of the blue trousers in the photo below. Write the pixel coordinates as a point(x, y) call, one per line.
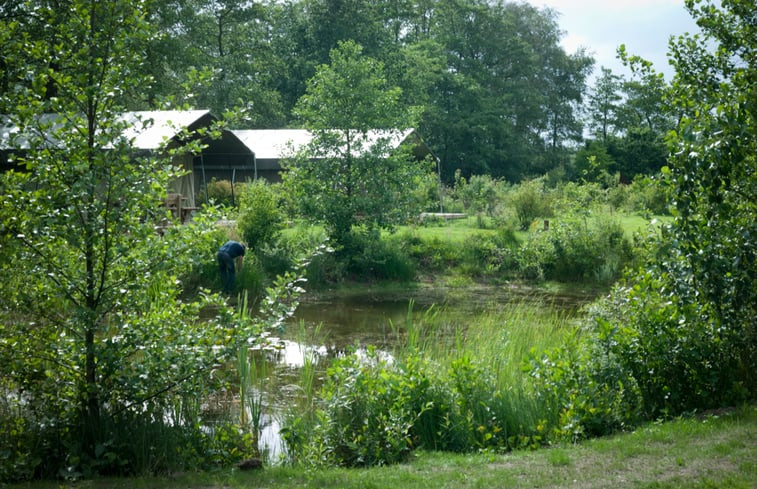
point(227, 269)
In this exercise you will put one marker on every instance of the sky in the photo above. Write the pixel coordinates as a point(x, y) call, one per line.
point(600, 26)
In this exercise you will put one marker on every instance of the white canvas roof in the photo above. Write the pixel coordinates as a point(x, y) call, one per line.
point(274, 144)
point(151, 129)
point(148, 129)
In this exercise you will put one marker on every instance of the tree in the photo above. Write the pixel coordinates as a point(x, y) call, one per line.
point(96, 344)
point(344, 177)
point(603, 104)
point(568, 84)
point(713, 262)
point(508, 95)
point(221, 50)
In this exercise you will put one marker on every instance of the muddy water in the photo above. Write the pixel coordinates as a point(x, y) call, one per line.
point(326, 326)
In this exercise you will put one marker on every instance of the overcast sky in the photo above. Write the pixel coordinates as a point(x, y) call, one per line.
point(644, 26)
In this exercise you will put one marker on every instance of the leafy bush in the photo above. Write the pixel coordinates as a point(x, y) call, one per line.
point(587, 389)
point(429, 254)
point(369, 256)
point(490, 254)
point(648, 195)
point(530, 201)
point(680, 358)
point(220, 192)
point(479, 194)
point(577, 250)
point(260, 215)
point(365, 416)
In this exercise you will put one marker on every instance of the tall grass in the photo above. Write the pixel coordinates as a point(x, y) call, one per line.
point(485, 359)
point(452, 383)
point(252, 375)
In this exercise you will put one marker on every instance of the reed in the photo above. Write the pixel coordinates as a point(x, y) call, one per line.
point(481, 394)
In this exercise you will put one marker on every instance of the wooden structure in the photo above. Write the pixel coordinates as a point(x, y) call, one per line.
point(221, 158)
point(153, 132)
point(236, 156)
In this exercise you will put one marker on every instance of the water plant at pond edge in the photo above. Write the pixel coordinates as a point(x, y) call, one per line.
point(252, 388)
point(457, 387)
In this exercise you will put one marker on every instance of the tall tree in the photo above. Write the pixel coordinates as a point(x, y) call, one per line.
point(222, 50)
point(713, 262)
point(94, 334)
point(566, 86)
point(344, 177)
point(604, 102)
point(505, 71)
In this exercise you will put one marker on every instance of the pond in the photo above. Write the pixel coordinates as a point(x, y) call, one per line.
point(327, 325)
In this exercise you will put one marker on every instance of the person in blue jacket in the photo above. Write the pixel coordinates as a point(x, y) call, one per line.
point(232, 251)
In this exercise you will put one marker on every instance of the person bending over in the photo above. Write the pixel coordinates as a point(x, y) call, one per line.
point(232, 251)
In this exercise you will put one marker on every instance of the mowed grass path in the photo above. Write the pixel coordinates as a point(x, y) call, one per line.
point(714, 451)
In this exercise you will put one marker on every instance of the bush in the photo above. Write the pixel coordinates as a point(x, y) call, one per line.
point(479, 194)
point(368, 256)
point(220, 192)
point(577, 250)
point(587, 390)
point(432, 254)
point(490, 254)
point(260, 216)
point(530, 201)
point(648, 195)
point(365, 417)
point(681, 359)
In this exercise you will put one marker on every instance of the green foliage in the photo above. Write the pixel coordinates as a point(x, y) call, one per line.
point(530, 201)
point(680, 336)
point(477, 194)
point(604, 103)
point(712, 263)
point(430, 254)
point(365, 418)
point(344, 177)
point(260, 216)
point(587, 390)
point(577, 249)
point(649, 196)
point(220, 192)
point(455, 388)
point(104, 363)
point(593, 162)
point(366, 255)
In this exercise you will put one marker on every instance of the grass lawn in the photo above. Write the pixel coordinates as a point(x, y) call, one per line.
point(457, 230)
point(716, 451)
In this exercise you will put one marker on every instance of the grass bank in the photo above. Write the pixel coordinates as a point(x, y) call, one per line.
point(713, 451)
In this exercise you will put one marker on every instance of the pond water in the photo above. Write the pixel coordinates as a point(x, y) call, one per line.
point(325, 326)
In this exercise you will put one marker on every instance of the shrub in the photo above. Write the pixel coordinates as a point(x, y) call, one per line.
point(681, 359)
point(368, 256)
point(648, 195)
point(587, 390)
point(429, 254)
point(529, 201)
point(260, 216)
point(220, 192)
point(490, 254)
point(577, 249)
point(477, 194)
point(365, 417)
